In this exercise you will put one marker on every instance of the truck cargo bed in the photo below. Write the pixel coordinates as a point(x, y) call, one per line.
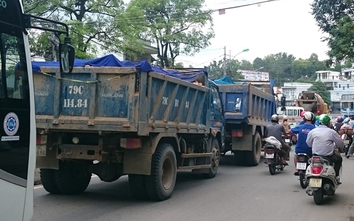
point(117, 99)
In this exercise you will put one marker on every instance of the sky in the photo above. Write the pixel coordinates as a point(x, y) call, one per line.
point(268, 28)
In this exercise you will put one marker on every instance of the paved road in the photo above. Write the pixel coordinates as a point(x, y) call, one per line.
point(236, 193)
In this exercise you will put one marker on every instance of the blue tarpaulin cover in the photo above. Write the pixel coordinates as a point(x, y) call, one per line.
point(228, 80)
point(111, 61)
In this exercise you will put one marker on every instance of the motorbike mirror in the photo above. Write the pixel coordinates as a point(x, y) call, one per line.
point(66, 56)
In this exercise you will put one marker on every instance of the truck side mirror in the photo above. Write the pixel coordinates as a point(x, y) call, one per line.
point(66, 56)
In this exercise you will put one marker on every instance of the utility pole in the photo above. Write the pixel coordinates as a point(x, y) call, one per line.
point(224, 60)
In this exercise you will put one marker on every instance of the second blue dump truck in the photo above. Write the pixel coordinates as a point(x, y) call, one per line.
point(114, 118)
point(248, 107)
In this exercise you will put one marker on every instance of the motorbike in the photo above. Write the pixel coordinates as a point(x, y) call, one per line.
point(274, 158)
point(287, 138)
point(346, 139)
point(321, 179)
point(301, 165)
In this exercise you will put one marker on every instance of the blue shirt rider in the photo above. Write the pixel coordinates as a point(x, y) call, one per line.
point(302, 130)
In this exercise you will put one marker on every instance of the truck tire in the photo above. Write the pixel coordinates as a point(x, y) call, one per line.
point(72, 178)
point(161, 182)
point(137, 186)
point(254, 156)
point(215, 159)
point(48, 181)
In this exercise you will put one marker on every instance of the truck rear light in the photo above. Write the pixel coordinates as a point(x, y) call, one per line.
point(316, 169)
point(130, 143)
point(41, 139)
point(237, 133)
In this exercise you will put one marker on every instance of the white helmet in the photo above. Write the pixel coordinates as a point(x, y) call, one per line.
point(346, 120)
point(274, 118)
point(309, 116)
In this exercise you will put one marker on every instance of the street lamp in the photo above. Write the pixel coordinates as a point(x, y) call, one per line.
point(244, 50)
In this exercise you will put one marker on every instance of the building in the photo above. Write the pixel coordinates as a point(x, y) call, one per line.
point(291, 91)
point(340, 85)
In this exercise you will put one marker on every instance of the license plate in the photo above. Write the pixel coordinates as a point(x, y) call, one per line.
point(315, 182)
point(346, 142)
point(269, 155)
point(301, 166)
point(287, 140)
point(41, 150)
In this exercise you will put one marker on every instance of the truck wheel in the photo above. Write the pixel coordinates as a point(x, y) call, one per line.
point(254, 156)
point(48, 181)
point(215, 159)
point(72, 178)
point(137, 186)
point(161, 182)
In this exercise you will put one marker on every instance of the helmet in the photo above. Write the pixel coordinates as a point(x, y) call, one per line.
point(285, 117)
point(324, 119)
point(309, 116)
point(274, 118)
point(346, 120)
point(302, 113)
point(339, 119)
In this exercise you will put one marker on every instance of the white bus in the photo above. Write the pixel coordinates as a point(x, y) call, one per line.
point(292, 113)
point(17, 113)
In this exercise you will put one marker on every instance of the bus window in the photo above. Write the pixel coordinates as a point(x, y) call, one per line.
point(15, 70)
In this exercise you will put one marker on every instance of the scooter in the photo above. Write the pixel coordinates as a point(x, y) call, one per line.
point(301, 165)
point(346, 140)
point(287, 138)
point(321, 179)
point(274, 158)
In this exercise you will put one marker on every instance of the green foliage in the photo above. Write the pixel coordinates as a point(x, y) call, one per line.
point(176, 26)
point(282, 67)
point(335, 18)
point(107, 23)
point(320, 88)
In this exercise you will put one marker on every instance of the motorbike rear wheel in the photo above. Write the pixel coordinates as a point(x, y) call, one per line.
point(318, 196)
point(303, 180)
point(272, 168)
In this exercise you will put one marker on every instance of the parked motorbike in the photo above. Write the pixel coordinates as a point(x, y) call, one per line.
point(321, 179)
point(274, 158)
point(301, 165)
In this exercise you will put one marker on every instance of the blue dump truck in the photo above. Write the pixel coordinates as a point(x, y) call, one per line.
point(114, 118)
point(248, 107)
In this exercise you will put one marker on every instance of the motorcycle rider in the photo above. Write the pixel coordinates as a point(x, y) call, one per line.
point(324, 141)
point(302, 131)
point(277, 130)
point(286, 124)
point(338, 124)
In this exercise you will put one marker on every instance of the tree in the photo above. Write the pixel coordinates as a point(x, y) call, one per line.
point(107, 23)
point(335, 17)
point(320, 88)
point(176, 26)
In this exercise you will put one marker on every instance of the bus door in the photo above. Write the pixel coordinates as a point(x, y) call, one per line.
point(17, 127)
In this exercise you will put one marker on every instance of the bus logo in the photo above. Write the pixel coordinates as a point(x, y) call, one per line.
point(11, 124)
